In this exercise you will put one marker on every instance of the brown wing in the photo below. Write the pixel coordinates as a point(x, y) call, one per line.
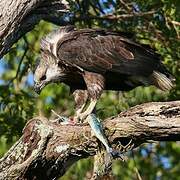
point(100, 52)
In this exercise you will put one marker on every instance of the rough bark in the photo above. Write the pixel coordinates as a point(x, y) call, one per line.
point(47, 149)
point(18, 17)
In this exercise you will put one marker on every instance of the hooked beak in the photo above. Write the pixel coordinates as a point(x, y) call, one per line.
point(38, 87)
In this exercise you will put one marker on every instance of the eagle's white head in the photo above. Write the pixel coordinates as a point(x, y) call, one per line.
point(47, 72)
point(48, 69)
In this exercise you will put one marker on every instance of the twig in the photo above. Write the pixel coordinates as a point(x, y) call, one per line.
point(176, 23)
point(125, 5)
point(135, 168)
point(115, 17)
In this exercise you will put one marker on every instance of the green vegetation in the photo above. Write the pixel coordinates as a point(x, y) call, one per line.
point(18, 102)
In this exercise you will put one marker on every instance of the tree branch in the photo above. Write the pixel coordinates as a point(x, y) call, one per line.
point(47, 149)
point(115, 17)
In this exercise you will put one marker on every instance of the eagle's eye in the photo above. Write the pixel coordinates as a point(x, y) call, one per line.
point(43, 78)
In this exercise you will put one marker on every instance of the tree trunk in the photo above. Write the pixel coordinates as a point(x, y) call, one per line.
point(47, 149)
point(17, 17)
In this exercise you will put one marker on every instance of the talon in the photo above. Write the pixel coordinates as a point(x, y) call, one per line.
point(80, 118)
point(75, 119)
point(83, 117)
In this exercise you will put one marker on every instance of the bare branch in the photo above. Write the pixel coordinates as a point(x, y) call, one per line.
point(47, 149)
point(125, 5)
point(176, 23)
point(115, 17)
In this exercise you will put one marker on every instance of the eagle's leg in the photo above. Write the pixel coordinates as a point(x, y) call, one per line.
point(95, 84)
point(79, 110)
point(89, 110)
point(80, 98)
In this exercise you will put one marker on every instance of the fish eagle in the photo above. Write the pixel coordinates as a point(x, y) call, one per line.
point(93, 60)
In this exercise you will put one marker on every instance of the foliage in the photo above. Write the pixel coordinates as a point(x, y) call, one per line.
point(159, 29)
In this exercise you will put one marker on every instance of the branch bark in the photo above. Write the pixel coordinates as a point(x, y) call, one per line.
point(47, 149)
point(18, 17)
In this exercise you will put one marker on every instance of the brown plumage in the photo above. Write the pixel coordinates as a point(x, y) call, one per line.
point(97, 60)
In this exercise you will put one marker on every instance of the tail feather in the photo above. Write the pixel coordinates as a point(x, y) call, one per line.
point(161, 81)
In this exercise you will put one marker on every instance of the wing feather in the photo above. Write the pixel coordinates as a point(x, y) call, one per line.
point(96, 51)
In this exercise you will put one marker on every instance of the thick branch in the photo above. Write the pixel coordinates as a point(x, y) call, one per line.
point(18, 17)
point(47, 149)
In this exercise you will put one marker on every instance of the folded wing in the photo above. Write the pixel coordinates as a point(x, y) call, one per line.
point(101, 52)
